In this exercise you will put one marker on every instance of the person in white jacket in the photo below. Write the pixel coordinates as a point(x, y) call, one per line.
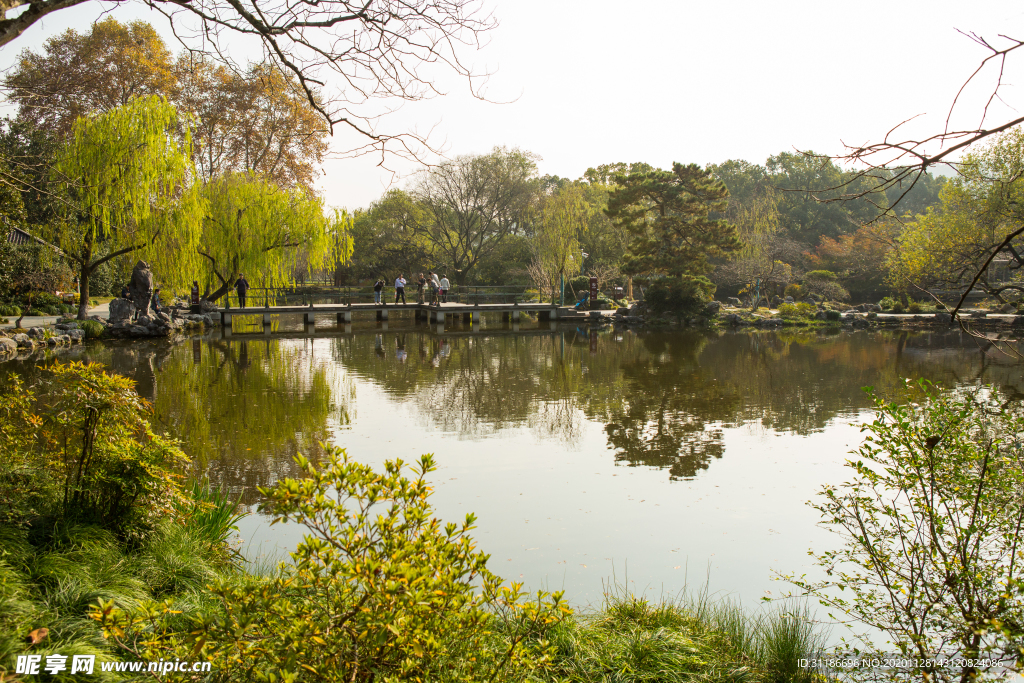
point(444, 286)
point(435, 286)
point(400, 288)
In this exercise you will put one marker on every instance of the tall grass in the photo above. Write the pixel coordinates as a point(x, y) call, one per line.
point(211, 515)
point(693, 638)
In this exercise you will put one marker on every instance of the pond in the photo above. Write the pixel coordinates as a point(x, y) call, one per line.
point(655, 459)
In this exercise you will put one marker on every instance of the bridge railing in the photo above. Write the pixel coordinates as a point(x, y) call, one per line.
point(304, 295)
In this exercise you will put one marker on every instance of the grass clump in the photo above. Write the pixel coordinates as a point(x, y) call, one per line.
point(93, 329)
point(631, 639)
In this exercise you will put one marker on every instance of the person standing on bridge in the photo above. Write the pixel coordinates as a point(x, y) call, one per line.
point(400, 288)
point(420, 284)
point(435, 285)
point(444, 287)
point(242, 287)
point(378, 287)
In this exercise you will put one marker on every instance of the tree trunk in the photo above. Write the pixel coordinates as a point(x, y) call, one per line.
point(221, 291)
point(83, 291)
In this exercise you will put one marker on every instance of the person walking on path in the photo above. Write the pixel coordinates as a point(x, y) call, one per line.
point(420, 285)
point(400, 288)
point(242, 287)
point(444, 286)
point(378, 287)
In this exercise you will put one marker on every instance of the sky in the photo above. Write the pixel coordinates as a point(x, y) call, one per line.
point(582, 83)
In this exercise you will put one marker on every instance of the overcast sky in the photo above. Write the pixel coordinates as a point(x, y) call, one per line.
point(590, 82)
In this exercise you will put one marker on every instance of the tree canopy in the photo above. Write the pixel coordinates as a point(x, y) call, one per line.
point(128, 178)
point(668, 216)
point(252, 226)
point(473, 203)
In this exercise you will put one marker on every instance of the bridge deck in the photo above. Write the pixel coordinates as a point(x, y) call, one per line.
point(446, 307)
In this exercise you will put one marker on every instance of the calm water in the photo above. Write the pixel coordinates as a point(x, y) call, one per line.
point(661, 458)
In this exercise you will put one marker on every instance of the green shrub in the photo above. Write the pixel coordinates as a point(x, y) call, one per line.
point(10, 309)
point(932, 496)
point(887, 303)
point(897, 307)
point(800, 310)
point(833, 315)
point(914, 307)
point(377, 590)
point(794, 290)
point(686, 295)
point(83, 432)
point(93, 329)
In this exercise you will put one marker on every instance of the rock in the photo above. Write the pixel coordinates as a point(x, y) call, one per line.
point(141, 287)
point(8, 346)
point(121, 311)
point(138, 331)
point(941, 317)
point(820, 315)
point(777, 301)
point(64, 339)
point(51, 341)
point(22, 340)
point(206, 307)
point(35, 332)
point(734, 301)
point(622, 311)
point(732, 319)
point(789, 300)
point(1007, 308)
point(76, 335)
point(712, 308)
point(163, 316)
point(144, 321)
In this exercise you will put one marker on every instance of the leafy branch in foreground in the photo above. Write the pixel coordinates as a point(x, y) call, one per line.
point(377, 590)
point(930, 524)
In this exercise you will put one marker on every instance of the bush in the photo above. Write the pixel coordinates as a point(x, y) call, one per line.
point(800, 310)
point(887, 303)
point(10, 309)
point(897, 307)
point(825, 284)
point(794, 290)
point(914, 307)
point(686, 295)
point(833, 315)
point(934, 498)
point(377, 590)
point(93, 329)
point(84, 434)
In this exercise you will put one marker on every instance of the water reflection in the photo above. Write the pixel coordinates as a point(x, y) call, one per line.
point(244, 407)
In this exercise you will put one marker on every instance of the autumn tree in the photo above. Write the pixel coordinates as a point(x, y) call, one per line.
point(345, 56)
point(255, 227)
point(979, 221)
point(667, 214)
point(258, 120)
point(127, 176)
point(858, 259)
point(84, 73)
point(473, 203)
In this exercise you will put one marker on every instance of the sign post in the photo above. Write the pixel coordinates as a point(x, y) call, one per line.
point(593, 293)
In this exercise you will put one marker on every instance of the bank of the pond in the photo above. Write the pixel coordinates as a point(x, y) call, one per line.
point(57, 580)
point(106, 560)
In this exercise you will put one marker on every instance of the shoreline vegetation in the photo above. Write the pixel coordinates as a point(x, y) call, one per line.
point(104, 551)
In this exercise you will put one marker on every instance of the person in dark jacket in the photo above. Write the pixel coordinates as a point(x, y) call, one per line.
point(242, 287)
point(125, 294)
point(378, 288)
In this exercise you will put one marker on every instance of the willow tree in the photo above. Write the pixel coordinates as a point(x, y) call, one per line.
point(127, 176)
point(762, 260)
point(255, 227)
point(556, 239)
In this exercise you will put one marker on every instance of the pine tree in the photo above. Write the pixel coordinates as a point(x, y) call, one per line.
point(667, 214)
